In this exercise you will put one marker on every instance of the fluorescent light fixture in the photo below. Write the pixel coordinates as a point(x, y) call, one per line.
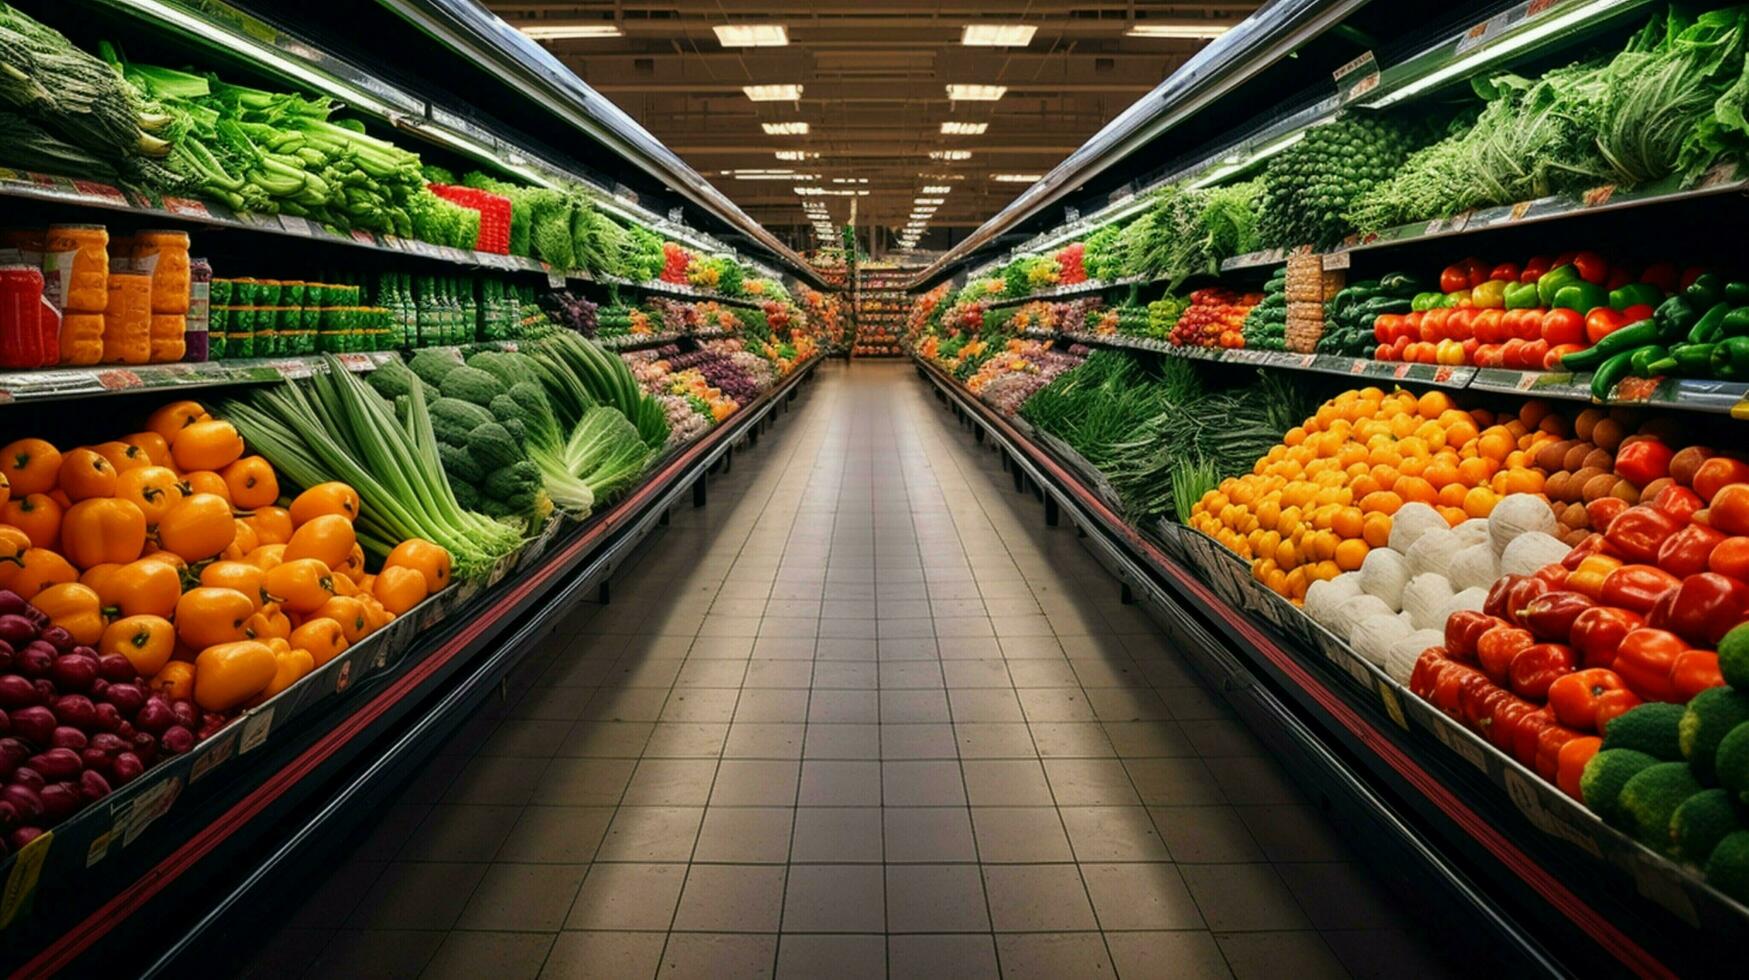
point(942, 176)
point(950, 154)
point(773, 93)
point(976, 93)
point(964, 128)
point(998, 35)
point(1233, 164)
point(931, 200)
point(1529, 32)
point(752, 35)
point(560, 32)
point(1016, 178)
point(785, 128)
point(850, 180)
point(1178, 30)
point(794, 155)
point(937, 189)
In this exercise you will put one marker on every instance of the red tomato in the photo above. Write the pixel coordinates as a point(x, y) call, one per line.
point(1636, 313)
point(1602, 322)
point(1470, 348)
point(1399, 348)
point(1690, 274)
point(1384, 326)
point(1461, 324)
point(1423, 353)
point(1433, 324)
point(1505, 272)
point(1489, 356)
point(1660, 274)
point(1532, 355)
point(1717, 473)
point(1563, 327)
point(1453, 278)
point(1512, 353)
point(1619, 276)
point(1534, 267)
point(1383, 352)
point(1409, 326)
point(1476, 270)
point(1489, 326)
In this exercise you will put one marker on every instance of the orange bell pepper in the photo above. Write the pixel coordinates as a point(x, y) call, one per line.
point(197, 528)
point(75, 608)
point(175, 681)
point(228, 674)
point(399, 589)
point(428, 559)
point(333, 497)
point(140, 588)
point(103, 530)
point(300, 585)
point(210, 444)
point(323, 638)
point(290, 666)
point(147, 642)
point(207, 616)
point(1593, 569)
point(328, 538)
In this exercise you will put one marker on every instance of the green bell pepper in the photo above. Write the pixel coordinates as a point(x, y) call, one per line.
point(1710, 326)
point(1730, 360)
point(1425, 301)
point(1635, 294)
point(1686, 361)
point(1581, 297)
point(1706, 289)
point(1643, 359)
point(1615, 368)
point(1737, 292)
point(1736, 322)
point(1521, 296)
point(1676, 316)
point(1551, 282)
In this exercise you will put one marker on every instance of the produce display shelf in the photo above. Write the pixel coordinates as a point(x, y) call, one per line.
point(118, 876)
point(1722, 178)
point(1526, 851)
point(1088, 288)
point(1681, 394)
point(679, 290)
point(632, 342)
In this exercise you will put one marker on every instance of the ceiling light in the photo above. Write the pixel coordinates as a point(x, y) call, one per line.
point(998, 35)
point(1528, 32)
point(773, 93)
point(976, 93)
point(797, 155)
point(931, 200)
point(942, 176)
point(752, 35)
point(1016, 178)
point(1179, 30)
point(785, 128)
point(850, 180)
point(559, 32)
point(964, 128)
point(937, 189)
point(950, 154)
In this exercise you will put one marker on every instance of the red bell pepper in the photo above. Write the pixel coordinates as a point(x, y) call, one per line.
point(1505, 272)
point(1504, 723)
point(1703, 608)
point(1678, 501)
point(1426, 672)
point(1643, 460)
point(1529, 728)
point(1693, 672)
point(1645, 660)
point(1534, 668)
point(1496, 648)
point(1592, 268)
point(1577, 698)
point(1548, 749)
point(1522, 593)
point(1661, 274)
point(1448, 688)
point(1636, 587)
point(1554, 575)
point(1728, 510)
point(1534, 268)
point(1717, 473)
point(1598, 632)
point(1571, 763)
point(1731, 557)
point(1593, 544)
point(1638, 532)
point(1496, 603)
point(1688, 551)
point(1477, 698)
point(1592, 572)
point(1601, 511)
point(1550, 615)
point(1463, 629)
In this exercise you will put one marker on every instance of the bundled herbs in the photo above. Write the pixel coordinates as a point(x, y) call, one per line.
point(1099, 257)
point(334, 426)
point(579, 375)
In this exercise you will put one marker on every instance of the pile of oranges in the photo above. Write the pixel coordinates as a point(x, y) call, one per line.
point(1321, 499)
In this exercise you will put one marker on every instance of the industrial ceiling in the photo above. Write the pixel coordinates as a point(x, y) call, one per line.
point(896, 95)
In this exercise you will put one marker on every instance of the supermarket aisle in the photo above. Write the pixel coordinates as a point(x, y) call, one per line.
point(863, 715)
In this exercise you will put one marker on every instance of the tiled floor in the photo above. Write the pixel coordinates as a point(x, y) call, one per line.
point(863, 715)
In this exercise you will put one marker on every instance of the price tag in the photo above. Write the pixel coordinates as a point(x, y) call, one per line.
point(363, 237)
point(1433, 227)
point(1597, 197)
point(187, 207)
point(1356, 78)
point(555, 279)
point(1469, 751)
point(214, 757)
point(255, 730)
point(295, 225)
point(118, 380)
point(21, 882)
point(1719, 173)
point(1335, 260)
point(148, 807)
point(1518, 211)
point(100, 190)
point(1482, 33)
point(1393, 707)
